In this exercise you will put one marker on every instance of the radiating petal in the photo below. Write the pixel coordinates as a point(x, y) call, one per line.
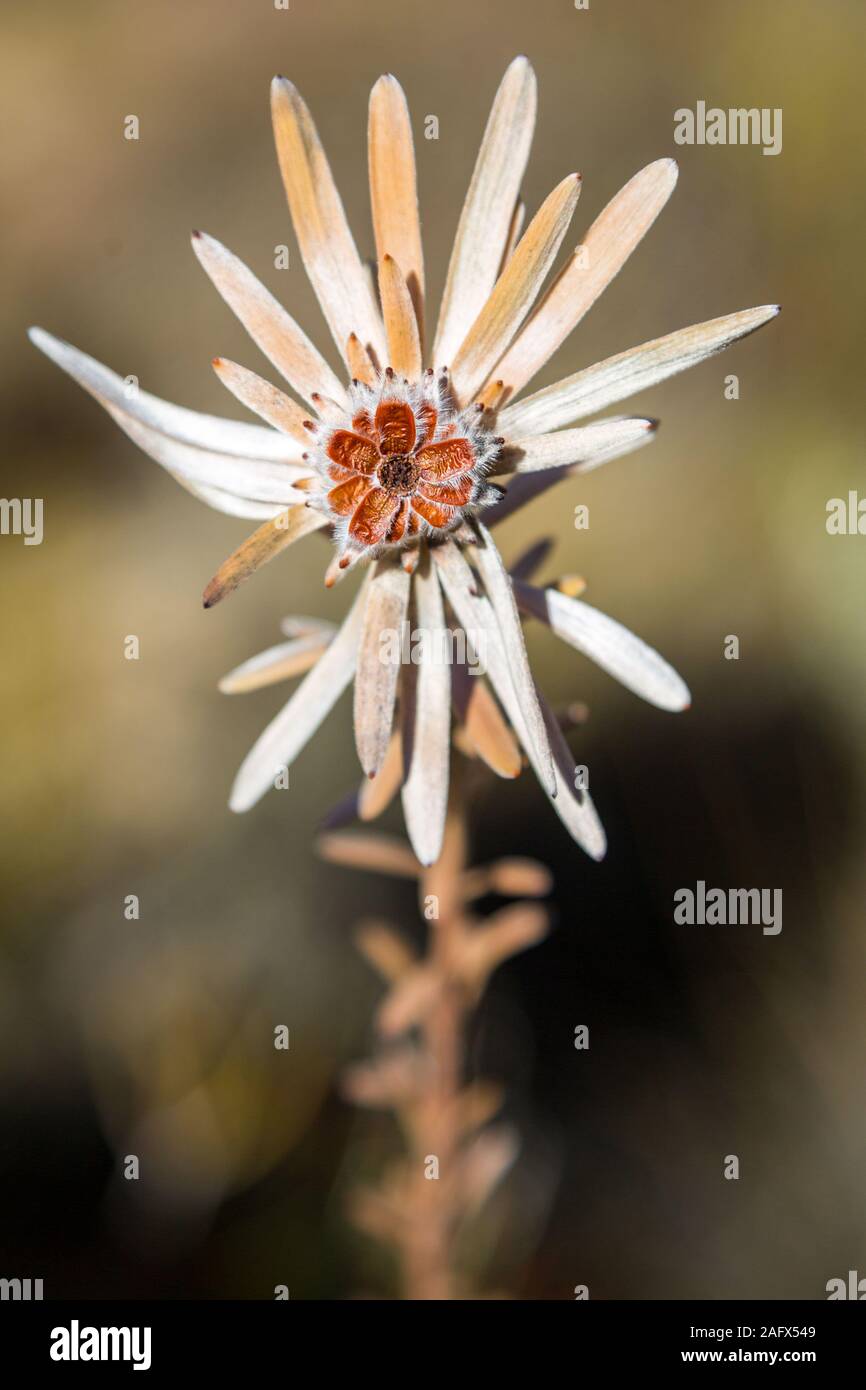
point(377, 793)
point(605, 249)
point(353, 452)
point(328, 250)
point(497, 583)
point(443, 460)
point(395, 424)
point(618, 377)
point(269, 325)
point(279, 663)
point(315, 697)
point(229, 503)
point(401, 325)
point(269, 540)
point(426, 710)
point(476, 614)
point(514, 293)
point(483, 230)
point(585, 448)
point(264, 399)
point(610, 645)
point(393, 189)
point(524, 487)
point(484, 725)
point(379, 661)
point(359, 361)
point(515, 227)
point(210, 432)
point(369, 525)
point(201, 451)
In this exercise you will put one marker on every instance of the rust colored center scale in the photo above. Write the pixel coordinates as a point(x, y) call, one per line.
point(406, 464)
point(399, 475)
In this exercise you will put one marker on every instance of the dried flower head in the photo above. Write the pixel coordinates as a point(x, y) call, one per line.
point(395, 464)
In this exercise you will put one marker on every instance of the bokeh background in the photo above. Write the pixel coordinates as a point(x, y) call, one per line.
point(155, 1037)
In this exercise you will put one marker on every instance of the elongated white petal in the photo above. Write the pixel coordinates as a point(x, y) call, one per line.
point(294, 726)
point(175, 437)
point(328, 250)
point(279, 663)
point(245, 477)
point(584, 448)
point(188, 426)
point(629, 372)
point(427, 722)
point(524, 487)
point(401, 323)
point(605, 249)
point(573, 804)
point(229, 503)
point(265, 400)
point(269, 325)
point(270, 540)
point(393, 189)
point(487, 213)
point(497, 584)
point(375, 794)
point(514, 292)
point(610, 645)
point(573, 807)
point(483, 725)
point(379, 660)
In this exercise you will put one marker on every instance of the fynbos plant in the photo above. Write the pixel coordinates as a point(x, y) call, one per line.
point(395, 463)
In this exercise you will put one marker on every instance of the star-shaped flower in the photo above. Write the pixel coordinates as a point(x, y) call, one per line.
point(396, 464)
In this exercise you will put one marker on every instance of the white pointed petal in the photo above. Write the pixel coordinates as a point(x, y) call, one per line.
point(515, 291)
point(610, 645)
point(269, 540)
point(299, 625)
point(605, 249)
point(401, 323)
point(573, 805)
point(269, 325)
point(375, 794)
point(487, 214)
point(281, 742)
point(379, 654)
point(476, 614)
point(174, 436)
point(523, 488)
point(188, 426)
point(427, 722)
point(327, 247)
point(278, 663)
point(585, 448)
point(393, 188)
point(497, 583)
point(229, 503)
point(629, 372)
point(265, 400)
point(245, 477)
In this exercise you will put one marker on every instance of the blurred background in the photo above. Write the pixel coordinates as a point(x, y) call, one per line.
point(155, 1036)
